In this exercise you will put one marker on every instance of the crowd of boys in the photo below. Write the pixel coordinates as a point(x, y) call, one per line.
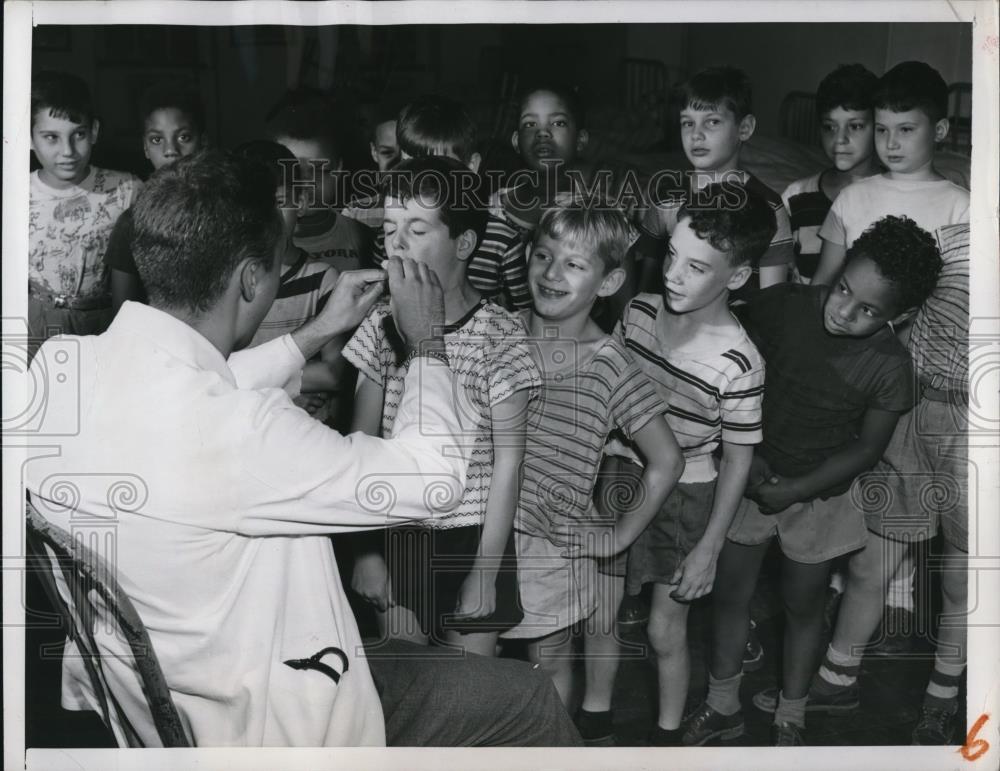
point(644, 400)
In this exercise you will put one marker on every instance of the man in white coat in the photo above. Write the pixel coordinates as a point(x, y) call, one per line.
point(222, 541)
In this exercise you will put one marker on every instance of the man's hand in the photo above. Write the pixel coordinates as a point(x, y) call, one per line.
point(312, 402)
point(351, 299)
point(371, 581)
point(478, 596)
point(416, 298)
point(695, 575)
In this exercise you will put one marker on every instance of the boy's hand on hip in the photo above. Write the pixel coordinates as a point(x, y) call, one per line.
point(417, 301)
point(580, 540)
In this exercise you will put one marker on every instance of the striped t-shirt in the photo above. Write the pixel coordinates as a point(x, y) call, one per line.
point(807, 207)
point(304, 290)
point(488, 353)
point(711, 397)
point(939, 337)
point(568, 425)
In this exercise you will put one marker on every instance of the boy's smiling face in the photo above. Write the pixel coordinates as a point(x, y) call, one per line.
point(565, 278)
point(712, 136)
point(847, 137)
point(169, 134)
point(63, 148)
point(547, 132)
point(696, 274)
point(905, 140)
point(861, 302)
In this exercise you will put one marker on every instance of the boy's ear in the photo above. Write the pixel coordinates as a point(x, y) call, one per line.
point(514, 142)
point(941, 129)
point(373, 151)
point(739, 277)
point(466, 244)
point(612, 283)
point(582, 138)
point(95, 129)
point(747, 126)
point(474, 162)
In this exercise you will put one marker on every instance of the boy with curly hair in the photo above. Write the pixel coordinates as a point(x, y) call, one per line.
point(836, 383)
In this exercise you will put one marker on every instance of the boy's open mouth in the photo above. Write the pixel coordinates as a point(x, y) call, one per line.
point(552, 294)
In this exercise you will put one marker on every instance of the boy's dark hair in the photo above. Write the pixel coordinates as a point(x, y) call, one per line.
point(278, 159)
point(913, 86)
point(595, 225)
point(733, 219)
point(177, 95)
point(443, 184)
point(306, 113)
point(63, 95)
point(905, 254)
point(716, 87)
point(432, 122)
point(568, 95)
point(851, 86)
point(196, 220)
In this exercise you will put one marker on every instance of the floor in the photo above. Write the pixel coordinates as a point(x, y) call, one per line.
point(890, 698)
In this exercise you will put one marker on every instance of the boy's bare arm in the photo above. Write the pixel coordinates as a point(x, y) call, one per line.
point(477, 598)
point(370, 578)
point(124, 286)
point(778, 493)
point(327, 373)
point(831, 260)
point(696, 574)
point(664, 466)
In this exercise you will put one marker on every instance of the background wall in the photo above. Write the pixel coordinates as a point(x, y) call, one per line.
point(242, 71)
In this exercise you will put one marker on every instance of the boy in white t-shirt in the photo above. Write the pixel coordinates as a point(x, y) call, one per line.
point(910, 107)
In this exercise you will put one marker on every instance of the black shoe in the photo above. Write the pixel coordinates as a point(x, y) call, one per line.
point(894, 636)
point(845, 699)
point(753, 655)
point(936, 726)
point(786, 735)
point(596, 728)
point(705, 724)
point(665, 737)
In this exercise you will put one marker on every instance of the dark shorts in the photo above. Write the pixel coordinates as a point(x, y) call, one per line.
point(671, 535)
point(427, 568)
point(921, 484)
point(617, 490)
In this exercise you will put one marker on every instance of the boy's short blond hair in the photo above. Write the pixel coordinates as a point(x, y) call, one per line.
point(599, 227)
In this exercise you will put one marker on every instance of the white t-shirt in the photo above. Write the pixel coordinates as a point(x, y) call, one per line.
point(932, 204)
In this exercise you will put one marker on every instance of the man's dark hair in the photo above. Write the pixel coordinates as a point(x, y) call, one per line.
point(905, 254)
point(444, 184)
point(307, 114)
point(733, 219)
point(179, 96)
point(913, 86)
point(196, 220)
point(568, 95)
point(432, 122)
point(63, 95)
point(850, 86)
point(716, 87)
point(278, 159)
